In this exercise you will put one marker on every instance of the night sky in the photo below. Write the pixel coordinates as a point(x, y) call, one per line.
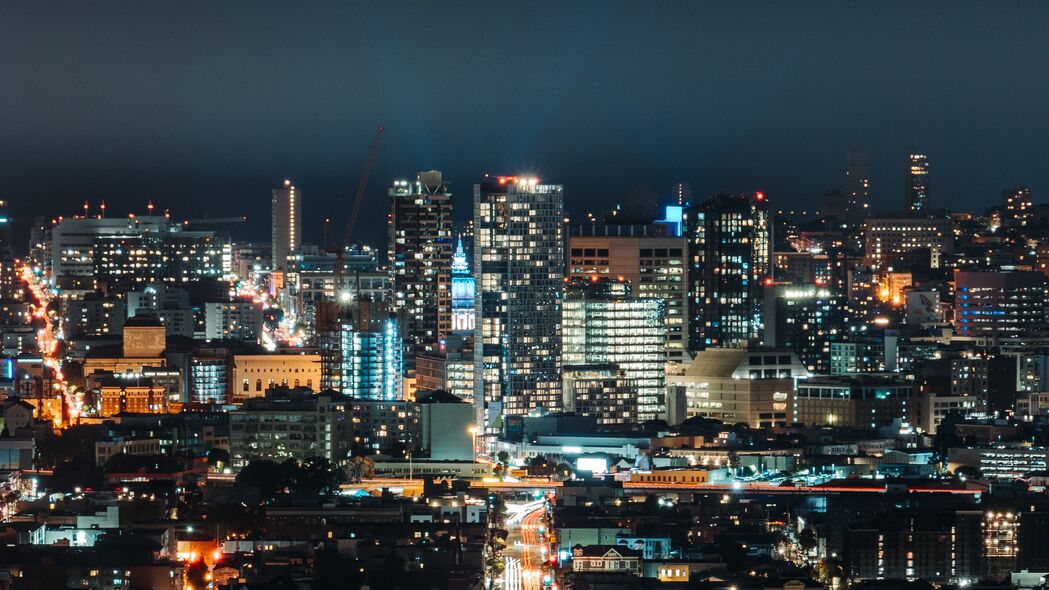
point(203, 106)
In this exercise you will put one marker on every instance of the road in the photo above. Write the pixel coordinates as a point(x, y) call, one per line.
point(525, 550)
point(47, 342)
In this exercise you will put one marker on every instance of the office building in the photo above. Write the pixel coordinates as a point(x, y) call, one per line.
point(361, 353)
point(420, 257)
point(753, 385)
point(857, 185)
point(389, 426)
point(93, 315)
point(730, 259)
point(89, 254)
point(650, 258)
point(72, 244)
point(290, 424)
point(286, 223)
point(239, 319)
point(917, 198)
point(171, 305)
point(209, 377)
point(894, 241)
point(519, 266)
point(450, 367)
point(805, 319)
point(123, 263)
point(602, 392)
point(602, 324)
point(999, 304)
point(1017, 207)
point(856, 402)
point(250, 259)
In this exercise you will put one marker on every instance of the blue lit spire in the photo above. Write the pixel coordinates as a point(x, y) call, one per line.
point(459, 264)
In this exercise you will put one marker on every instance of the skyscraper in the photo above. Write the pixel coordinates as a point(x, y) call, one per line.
point(519, 267)
point(286, 223)
point(603, 324)
point(917, 197)
point(857, 184)
point(730, 258)
point(420, 256)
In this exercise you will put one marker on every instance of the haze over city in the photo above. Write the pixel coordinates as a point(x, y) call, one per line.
point(524, 295)
point(202, 107)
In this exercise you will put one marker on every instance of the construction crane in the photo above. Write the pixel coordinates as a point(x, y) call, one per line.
point(329, 311)
point(361, 186)
point(208, 220)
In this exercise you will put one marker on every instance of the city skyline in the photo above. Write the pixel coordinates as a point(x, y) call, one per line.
point(524, 296)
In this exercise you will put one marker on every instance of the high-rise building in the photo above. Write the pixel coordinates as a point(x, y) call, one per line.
point(122, 263)
point(681, 193)
point(650, 260)
point(857, 185)
point(805, 319)
point(1016, 206)
point(464, 290)
point(519, 266)
point(362, 354)
point(730, 259)
point(286, 227)
point(1000, 304)
point(602, 324)
point(420, 256)
point(88, 253)
point(917, 198)
point(239, 319)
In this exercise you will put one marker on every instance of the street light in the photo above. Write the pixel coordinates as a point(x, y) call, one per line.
point(473, 432)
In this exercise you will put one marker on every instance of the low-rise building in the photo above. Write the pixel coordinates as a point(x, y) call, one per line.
point(753, 385)
point(253, 374)
point(856, 402)
point(291, 424)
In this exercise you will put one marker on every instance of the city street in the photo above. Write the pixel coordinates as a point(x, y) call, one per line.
point(524, 550)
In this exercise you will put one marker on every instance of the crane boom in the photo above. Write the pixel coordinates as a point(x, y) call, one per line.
point(217, 220)
point(361, 186)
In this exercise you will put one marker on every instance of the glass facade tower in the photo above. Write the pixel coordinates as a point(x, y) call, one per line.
point(519, 268)
point(603, 325)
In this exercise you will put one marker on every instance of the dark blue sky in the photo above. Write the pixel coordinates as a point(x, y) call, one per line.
point(203, 106)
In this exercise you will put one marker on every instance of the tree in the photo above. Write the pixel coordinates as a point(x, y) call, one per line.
point(218, 458)
point(196, 575)
point(808, 539)
point(317, 475)
point(503, 457)
point(360, 468)
point(269, 476)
